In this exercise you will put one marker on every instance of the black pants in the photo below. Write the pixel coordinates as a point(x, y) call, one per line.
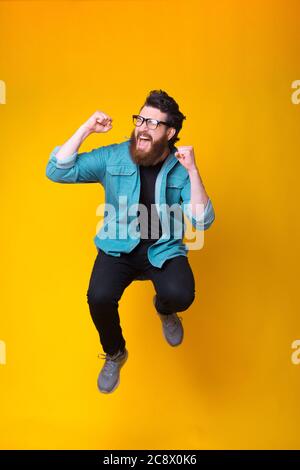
point(174, 285)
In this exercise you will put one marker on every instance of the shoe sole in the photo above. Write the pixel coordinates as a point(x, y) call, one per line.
point(107, 392)
point(173, 345)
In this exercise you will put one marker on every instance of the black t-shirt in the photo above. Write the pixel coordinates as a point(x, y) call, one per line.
point(147, 197)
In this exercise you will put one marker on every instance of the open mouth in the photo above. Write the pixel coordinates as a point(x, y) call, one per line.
point(143, 142)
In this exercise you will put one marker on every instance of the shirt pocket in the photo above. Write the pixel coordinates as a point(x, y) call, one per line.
point(174, 187)
point(120, 179)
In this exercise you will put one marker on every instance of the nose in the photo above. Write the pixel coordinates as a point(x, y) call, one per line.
point(143, 130)
point(143, 126)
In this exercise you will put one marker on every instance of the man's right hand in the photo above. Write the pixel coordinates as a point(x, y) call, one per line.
point(98, 122)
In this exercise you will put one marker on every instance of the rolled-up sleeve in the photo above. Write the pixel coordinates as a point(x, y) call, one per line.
point(85, 167)
point(207, 216)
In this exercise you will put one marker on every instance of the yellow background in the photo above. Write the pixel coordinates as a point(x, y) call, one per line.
point(230, 66)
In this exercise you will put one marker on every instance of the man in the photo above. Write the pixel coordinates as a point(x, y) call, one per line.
point(143, 178)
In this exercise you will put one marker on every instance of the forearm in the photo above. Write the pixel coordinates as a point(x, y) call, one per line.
point(198, 194)
point(73, 143)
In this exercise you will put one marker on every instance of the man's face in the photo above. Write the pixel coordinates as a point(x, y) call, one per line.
point(148, 152)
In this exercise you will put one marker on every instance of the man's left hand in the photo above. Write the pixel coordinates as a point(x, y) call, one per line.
point(186, 157)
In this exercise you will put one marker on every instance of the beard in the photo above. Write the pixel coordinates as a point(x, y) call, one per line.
point(151, 156)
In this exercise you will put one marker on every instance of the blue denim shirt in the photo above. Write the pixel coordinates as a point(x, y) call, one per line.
point(113, 168)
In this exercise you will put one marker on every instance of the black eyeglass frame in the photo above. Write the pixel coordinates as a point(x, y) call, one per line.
point(149, 119)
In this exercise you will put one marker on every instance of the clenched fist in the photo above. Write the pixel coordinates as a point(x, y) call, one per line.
point(98, 122)
point(186, 157)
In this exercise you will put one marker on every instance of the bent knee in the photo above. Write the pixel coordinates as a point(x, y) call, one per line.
point(99, 297)
point(186, 299)
point(181, 298)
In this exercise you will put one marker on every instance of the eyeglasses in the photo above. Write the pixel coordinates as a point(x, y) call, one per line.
point(150, 123)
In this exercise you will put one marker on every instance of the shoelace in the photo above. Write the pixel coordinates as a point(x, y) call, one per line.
point(110, 362)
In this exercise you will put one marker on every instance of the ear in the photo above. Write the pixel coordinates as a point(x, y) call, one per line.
point(171, 132)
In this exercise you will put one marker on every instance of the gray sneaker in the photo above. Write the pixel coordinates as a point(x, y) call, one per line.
point(109, 377)
point(172, 327)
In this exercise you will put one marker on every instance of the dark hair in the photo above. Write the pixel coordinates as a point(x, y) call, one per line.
point(166, 104)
